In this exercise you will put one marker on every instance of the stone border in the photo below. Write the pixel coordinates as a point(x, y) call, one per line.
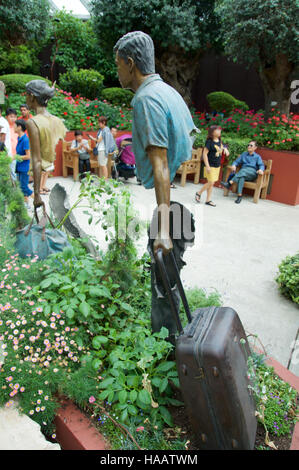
point(74, 431)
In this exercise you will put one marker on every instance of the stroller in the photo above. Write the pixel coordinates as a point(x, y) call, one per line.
point(120, 167)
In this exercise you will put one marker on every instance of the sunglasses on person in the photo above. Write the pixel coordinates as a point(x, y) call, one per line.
point(250, 145)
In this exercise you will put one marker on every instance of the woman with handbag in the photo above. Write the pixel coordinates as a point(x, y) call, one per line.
point(105, 144)
point(212, 154)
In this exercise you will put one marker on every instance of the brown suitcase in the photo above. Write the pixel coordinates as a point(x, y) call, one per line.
point(212, 367)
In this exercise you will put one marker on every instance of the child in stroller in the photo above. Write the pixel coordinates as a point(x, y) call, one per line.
point(124, 164)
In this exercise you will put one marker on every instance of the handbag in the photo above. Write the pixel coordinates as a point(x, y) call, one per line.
point(95, 149)
point(36, 240)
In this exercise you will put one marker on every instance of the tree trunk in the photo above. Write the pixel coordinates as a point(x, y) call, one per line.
point(179, 69)
point(276, 81)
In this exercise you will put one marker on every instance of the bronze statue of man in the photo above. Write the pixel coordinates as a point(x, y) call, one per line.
point(162, 124)
point(44, 132)
point(161, 131)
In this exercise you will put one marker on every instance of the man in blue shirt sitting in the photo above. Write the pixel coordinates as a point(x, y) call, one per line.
point(251, 165)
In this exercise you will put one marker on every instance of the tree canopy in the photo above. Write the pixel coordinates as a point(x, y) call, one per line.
point(77, 45)
point(180, 29)
point(265, 34)
point(23, 21)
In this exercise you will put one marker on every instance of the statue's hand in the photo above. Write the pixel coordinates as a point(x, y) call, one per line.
point(38, 202)
point(164, 243)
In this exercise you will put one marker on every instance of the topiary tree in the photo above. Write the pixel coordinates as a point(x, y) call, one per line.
point(87, 83)
point(118, 96)
point(264, 34)
point(16, 82)
point(224, 102)
point(181, 30)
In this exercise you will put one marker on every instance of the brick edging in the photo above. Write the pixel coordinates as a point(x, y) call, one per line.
point(74, 431)
point(293, 380)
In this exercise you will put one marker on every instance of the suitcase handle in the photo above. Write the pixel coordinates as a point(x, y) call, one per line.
point(167, 286)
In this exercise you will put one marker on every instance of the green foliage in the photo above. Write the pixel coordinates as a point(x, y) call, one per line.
point(288, 278)
point(221, 101)
point(147, 436)
point(273, 47)
point(85, 82)
point(23, 21)
point(168, 22)
point(19, 59)
point(118, 96)
point(275, 24)
point(78, 45)
point(275, 399)
point(16, 83)
point(12, 209)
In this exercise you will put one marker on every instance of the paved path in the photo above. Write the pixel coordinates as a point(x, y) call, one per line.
point(237, 251)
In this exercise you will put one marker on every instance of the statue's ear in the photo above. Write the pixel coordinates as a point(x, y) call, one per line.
point(131, 63)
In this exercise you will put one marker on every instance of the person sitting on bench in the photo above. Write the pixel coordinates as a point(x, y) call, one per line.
point(251, 165)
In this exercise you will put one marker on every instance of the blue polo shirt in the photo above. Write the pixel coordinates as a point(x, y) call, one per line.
point(161, 118)
point(253, 161)
point(22, 146)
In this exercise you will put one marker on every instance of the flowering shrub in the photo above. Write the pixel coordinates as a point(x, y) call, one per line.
point(38, 349)
point(277, 132)
point(81, 113)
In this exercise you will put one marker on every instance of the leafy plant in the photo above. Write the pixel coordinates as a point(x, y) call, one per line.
point(19, 59)
point(288, 278)
point(85, 82)
point(118, 96)
point(12, 208)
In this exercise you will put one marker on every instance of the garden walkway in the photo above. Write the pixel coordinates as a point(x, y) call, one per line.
point(237, 252)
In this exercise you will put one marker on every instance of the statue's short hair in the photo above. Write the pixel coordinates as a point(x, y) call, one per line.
point(41, 90)
point(140, 47)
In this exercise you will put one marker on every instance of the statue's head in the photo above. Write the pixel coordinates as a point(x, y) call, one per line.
point(38, 91)
point(134, 50)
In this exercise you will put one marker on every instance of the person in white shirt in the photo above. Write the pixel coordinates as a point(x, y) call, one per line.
point(5, 133)
point(82, 148)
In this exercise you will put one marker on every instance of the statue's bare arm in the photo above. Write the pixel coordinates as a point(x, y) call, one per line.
point(34, 140)
point(158, 159)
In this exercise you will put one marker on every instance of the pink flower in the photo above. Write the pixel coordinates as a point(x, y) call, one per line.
point(92, 399)
point(141, 428)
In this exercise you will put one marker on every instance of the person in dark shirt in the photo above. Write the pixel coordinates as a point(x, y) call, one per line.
point(212, 154)
point(251, 165)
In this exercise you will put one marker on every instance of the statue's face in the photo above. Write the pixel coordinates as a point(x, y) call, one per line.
point(124, 71)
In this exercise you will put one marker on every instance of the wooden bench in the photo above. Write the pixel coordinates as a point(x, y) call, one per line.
point(71, 160)
point(260, 185)
point(191, 167)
